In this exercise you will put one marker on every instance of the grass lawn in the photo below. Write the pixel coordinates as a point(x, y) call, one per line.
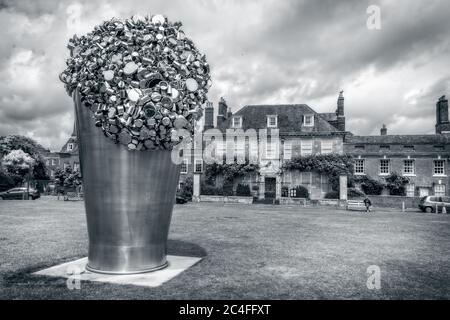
point(250, 252)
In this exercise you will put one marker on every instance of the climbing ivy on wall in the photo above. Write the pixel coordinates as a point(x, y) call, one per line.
point(228, 171)
point(331, 165)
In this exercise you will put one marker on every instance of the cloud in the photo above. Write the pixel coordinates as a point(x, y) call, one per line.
point(268, 51)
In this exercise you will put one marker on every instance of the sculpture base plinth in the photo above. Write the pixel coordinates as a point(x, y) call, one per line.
point(165, 265)
point(77, 271)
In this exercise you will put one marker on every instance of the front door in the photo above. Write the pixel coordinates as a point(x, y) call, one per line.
point(270, 188)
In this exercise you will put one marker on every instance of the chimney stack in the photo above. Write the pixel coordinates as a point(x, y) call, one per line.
point(383, 130)
point(442, 121)
point(209, 116)
point(340, 112)
point(223, 112)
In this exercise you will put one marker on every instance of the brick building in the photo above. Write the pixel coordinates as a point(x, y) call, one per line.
point(67, 156)
point(301, 130)
point(424, 159)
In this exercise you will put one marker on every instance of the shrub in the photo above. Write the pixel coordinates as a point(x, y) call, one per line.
point(227, 189)
point(369, 185)
point(396, 184)
point(67, 179)
point(209, 190)
point(332, 195)
point(243, 190)
point(187, 189)
point(301, 192)
point(355, 193)
point(6, 182)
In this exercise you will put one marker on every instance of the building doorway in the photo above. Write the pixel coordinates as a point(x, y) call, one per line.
point(270, 187)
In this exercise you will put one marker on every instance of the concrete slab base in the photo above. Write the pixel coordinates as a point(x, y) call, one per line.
point(76, 270)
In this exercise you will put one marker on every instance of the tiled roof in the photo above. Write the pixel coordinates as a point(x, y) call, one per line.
point(400, 139)
point(73, 140)
point(290, 118)
point(329, 116)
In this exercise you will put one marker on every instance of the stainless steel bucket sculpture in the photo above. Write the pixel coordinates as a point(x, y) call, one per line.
point(129, 197)
point(139, 85)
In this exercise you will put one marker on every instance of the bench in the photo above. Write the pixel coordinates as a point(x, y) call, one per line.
point(355, 205)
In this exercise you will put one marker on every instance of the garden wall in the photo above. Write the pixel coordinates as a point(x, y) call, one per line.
point(296, 201)
point(226, 199)
point(394, 201)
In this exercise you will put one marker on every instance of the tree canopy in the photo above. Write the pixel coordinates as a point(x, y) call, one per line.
point(28, 146)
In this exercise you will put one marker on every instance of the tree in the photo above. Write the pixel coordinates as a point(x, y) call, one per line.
point(29, 146)
point(18, 162)
point(6, 181)
point(21, 164)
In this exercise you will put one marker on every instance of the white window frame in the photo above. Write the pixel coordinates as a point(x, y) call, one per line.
point(411, 172)
point(287, 150)
point(358, 167)
point(271, 117)
point(441, 168)
point(306, 147)
point(311, 124)
point(440, 193)
point(70, 146)
point(326, 146)
point(76, 166)
point(54, 162)
point(184, 162)
point(196, 162)
point(233, 122)
point(381, 173)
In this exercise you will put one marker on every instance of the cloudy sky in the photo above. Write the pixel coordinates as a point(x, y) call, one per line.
point(260, 52)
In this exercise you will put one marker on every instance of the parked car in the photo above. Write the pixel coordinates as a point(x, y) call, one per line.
point(19, 194)
point(428, 203)
point(180, 199)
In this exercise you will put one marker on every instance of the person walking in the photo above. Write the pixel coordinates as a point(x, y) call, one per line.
point(367, 203)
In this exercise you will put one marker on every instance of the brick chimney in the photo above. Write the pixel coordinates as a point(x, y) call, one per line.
point(209, 116)
point(383, 130)
point(442, 121)
point(223, 112)
point(340, 112)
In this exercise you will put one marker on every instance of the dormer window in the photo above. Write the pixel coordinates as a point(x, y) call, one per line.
point(236, 122)
point(308, 120)
point(70, 147)
point(272, 121)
